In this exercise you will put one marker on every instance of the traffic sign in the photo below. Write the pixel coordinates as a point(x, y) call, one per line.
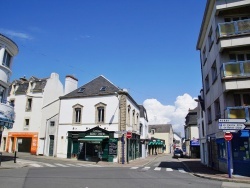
point(232, 120)
point(228, 136)
point(120, 132)
point(231, 126)
point(129, 135)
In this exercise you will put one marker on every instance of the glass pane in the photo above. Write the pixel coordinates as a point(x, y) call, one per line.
point(246, 67)
point(237, 113)
point(246, 99)
point(241, 57)
point(227, 29)
point(232, 69)
point(243, 26)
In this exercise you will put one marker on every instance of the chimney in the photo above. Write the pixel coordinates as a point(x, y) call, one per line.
point(70, 84)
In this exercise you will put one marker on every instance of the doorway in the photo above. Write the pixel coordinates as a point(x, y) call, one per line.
point(51, 145)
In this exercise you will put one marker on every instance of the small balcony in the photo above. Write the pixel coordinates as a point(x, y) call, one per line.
point(233, 28)
point(236, 69)
point(7, 114)
point(239, 112)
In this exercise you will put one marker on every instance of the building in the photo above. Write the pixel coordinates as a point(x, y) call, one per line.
point(224, 45)
point(36, 102)
point(161, 132)
point(191, 130)
point(144, 135)
point(8, 49)
point(95, 121)
point(177, 141)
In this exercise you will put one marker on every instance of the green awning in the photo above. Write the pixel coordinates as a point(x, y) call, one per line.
point(155, 143)
point(93, 138)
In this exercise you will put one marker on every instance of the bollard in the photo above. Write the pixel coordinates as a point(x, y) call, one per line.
point(15, 157)
point(1, 154)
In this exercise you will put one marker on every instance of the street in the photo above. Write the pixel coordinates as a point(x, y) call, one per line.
point(162, 172)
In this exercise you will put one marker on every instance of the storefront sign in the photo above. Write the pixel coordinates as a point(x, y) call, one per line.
point(96, 132)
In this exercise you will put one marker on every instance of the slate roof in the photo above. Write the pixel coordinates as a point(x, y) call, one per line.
point(160, 128)
point(93, 88)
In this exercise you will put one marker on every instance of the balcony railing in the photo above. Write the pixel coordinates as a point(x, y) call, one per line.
point(241, 112)
point(233, 28)
point(235, 69)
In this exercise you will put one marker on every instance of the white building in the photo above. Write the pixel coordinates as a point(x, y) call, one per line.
point(36, 102)
point(144, 135)
point(93, 122)
point(8, 49)
point(224, 44)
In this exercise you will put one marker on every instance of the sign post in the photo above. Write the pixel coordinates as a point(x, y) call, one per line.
point(228, 137)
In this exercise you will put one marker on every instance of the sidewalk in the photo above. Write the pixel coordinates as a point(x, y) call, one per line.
point(193, 165)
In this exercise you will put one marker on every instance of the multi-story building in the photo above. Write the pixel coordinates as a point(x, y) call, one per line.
point(161, 132)
point(94, 121)
point(144, 135)
point(8, 49)
point(224, 44)
point(191, 130)
point(36, 102)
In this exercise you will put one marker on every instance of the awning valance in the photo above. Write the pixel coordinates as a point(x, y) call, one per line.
point(93, 138)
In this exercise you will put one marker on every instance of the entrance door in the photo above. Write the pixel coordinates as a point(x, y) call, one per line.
point(24, 144)
point(51, 145)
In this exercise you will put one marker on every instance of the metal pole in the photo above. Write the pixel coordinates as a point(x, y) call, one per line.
point(229, 159)
point(122, 148)
point(15, 157)
point(1, 154)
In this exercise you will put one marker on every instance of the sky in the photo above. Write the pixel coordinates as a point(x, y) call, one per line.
point(145, 46)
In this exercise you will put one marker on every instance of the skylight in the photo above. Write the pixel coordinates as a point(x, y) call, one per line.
point(81, 89)
point(103, 88)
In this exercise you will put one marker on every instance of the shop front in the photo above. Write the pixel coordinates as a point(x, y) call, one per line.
point(133, 147)
point(156, 146)
point(92, 145)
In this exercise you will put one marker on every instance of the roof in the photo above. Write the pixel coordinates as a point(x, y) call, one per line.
point(191, 117)
point(93, 88)
point(160, 128)
point(143, 112)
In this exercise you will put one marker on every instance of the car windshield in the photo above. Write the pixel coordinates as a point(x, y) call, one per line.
point(178, 151)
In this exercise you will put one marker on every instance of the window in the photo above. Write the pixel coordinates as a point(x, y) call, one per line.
point(202, 128)
point(2, 91)
point(246, 99)
point(100, 112)
point(129, 109)
point(52, 123)
point(209, 115)
point(237, 100)
point(214, 72)
point(6, 59)
point(133, 117)
point(26, 124)
point(103, 88)
point(210, 38)
point(29, 104)
point(77, 113)
point(221, 148)
point(12, 102)
point(217, 109)
point(204, 55)
point(234, 57)
point(152, 131)
point(81, 90)
point(207, 83)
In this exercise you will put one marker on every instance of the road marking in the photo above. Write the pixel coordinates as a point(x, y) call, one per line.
point(49, 165)
point(146, 168)
point(73, 165)
point(134, 167)
point(58, 164)
point(169, 169)
point(181, 170)
point(157, 169)
point(35, 165)
point(88, 165)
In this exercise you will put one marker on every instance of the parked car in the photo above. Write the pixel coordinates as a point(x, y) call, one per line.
point(178, 153)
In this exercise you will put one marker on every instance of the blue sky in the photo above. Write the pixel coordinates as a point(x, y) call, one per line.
point(146, 46)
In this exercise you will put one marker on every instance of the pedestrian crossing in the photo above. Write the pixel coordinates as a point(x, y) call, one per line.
point(158, 169)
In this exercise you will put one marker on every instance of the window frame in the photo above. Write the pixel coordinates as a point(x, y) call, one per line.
point(100, 113)
point(77, 117)
point(29, 103)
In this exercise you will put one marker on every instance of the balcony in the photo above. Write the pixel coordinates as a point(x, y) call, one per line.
point(7, 115)
point(233, 28)
point(240, 112)
point(236, 69)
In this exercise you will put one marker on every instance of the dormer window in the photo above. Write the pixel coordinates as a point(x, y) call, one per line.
point(103, 88)
point(152, 131)
point(81, 90)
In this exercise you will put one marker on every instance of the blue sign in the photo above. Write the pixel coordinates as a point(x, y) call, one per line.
point(194, 143)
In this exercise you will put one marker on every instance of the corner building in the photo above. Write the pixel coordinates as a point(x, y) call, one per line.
point(224, 45)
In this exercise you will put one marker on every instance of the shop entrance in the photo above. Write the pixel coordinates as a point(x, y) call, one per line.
point(24, 144)
point(90, 151)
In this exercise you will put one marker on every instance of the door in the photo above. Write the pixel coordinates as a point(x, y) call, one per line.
point(51, 145)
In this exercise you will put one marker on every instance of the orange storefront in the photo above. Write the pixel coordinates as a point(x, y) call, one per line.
point(15, 138)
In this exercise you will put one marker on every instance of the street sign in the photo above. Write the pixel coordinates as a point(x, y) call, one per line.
point(232, 120)
point(129, 135)
point(228, 136)
point(120, 132)
point(231, 126)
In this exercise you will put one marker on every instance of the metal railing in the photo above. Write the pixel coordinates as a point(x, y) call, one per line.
point(233, 28)
point(235, 69)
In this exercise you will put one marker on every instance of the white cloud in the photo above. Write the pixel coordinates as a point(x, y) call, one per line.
point(159, 113)
point(15, 34)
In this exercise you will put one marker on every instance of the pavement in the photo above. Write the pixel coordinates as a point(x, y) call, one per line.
point(195, 167)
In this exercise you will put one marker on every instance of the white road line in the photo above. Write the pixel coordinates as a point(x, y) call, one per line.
point(135, 167)
point(88, 165)
point(61, 165)
point(35, 165)
point(73, 165)
point(49, 165)
point(169, 169)
point(181, 170)
point(157, 168)
point(146, 168)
